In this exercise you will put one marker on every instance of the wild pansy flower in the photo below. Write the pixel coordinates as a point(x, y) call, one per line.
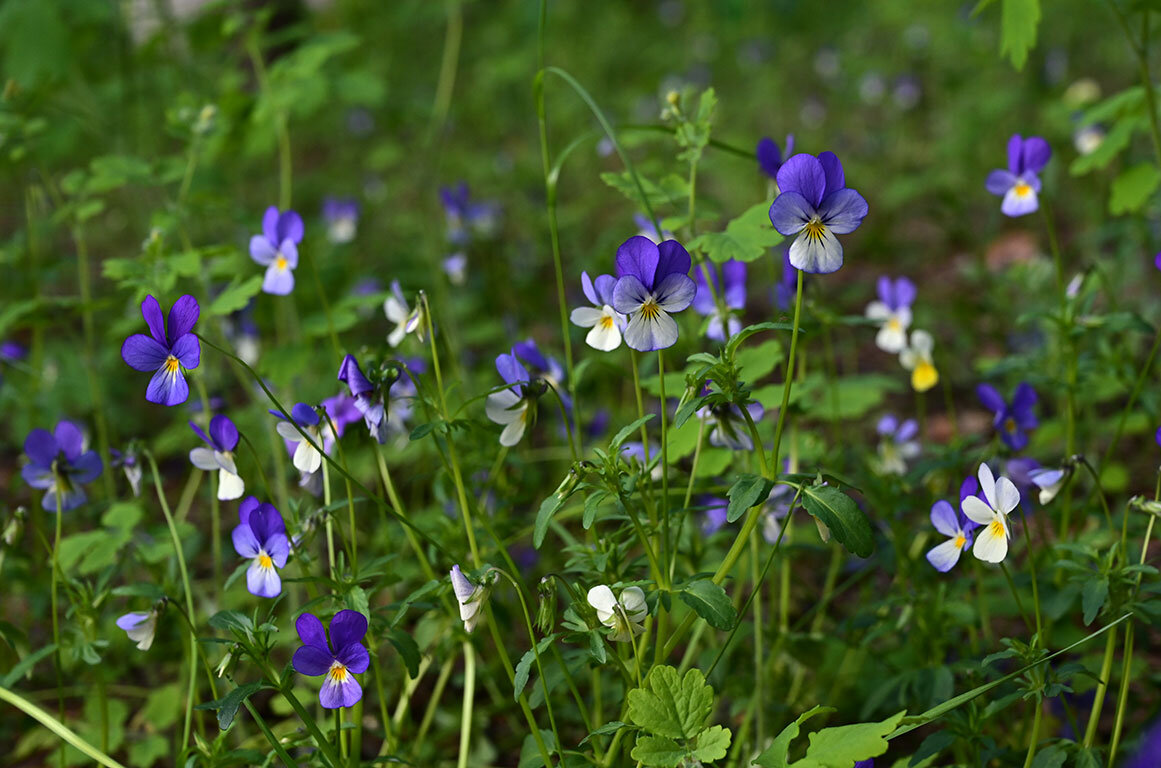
point(815, 204)
point(1050, 481)
point(1013, 421)
point(307, 458)
point(646, 228)
point(59, 464)
point(916, 357)
point(456, 268)
point(169, 350)
point(770, 155)
point(470, 597)
point(540, 366)
point(370, 398)
point(340, 659)
point(1019, 184)
point(261, 537)
point(991, 513)
point(222, 439)
point(406, 319)
point(716, 511)
point(957, 528)
point(897, 444)
point(652, 281)
point(733, 278)
point(624, 616)
point(606, 323)
point(277, 249)
point(462, 212)
point(130, 464)
point(893, 311)
point(512, 406)
point(342, 218)
point(141, 626)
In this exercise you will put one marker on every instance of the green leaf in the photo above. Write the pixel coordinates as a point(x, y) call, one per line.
point(711, 602)
point(775, 756)
point(1132, 188)
point(1018, 21)
point(658, 751)
point(737, 339)
point(932, 746)
point(841, 746)
point(623, 434)
point(1093, 597)
point(712, 744)
point(524, 667)
point(745, 238)
point(20, 668)
point(756, 362)
point(604, 730)
point(1114, 142)
point(592, 506)
point(236, 295)
point(842, 516)
point(1051, 757)
point(408, 650)
point(669, 705)
point(548, 508)
point(227, 706)
point(671, 190)
point(747, 491)
point(232, 621)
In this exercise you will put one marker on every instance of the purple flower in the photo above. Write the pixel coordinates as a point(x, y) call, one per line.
point(1148, 754)
point(456, 268)
point(169, 350)
point(511, 406)
point(1015, 420)
point(893, 311)
point(140, 626)
point(370, 399)
point(606, 323)
point(716, 510)
point(770, 154)
point(956, 527)
point(1019, 184)
point(11, 352)
point(1050, 481)
point(787, 287)
point(59, 464)
point(897, 445)
point(340, 659)
point(277, 249)
point(815, 204)
point(722, 325)
point(222, 441)
point(261, 536)
point(652, 281)
point(342, 218)
point(462, 213)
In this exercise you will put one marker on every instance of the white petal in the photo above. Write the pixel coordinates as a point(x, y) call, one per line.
point(586, 317)
point(203, 458)
point(395, 338)
point(514, 431)
point(287, 431)
point(908, 359)
point(602, 600)
point(816, 255)
point(1007, 495)
point(990, 546)
point(922, 344)
point(226, 461)
point(605, 339)
point(646, 335)
point(230, 486)
point(396, 310)
point(500, 407)
point(891, 339)
point(944, 556)
point(977, 511)
point(987, 484)
point(633, 602)
point(306, 458)
point(877, 310)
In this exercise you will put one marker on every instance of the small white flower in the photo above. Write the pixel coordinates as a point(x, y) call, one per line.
point(606, 323)
point(625, 616)
point(892, 335)
point(991, 515)
point(916, 357)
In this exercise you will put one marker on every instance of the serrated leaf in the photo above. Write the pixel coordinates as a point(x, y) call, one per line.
point(236, 295)
point(711, 602)
point(660, 751)
point(592, 506)
point(712, 744)
point(672, 189)
point(842, 516)
point(843, 745)
point(1132, 189)
point(1051, 757)
point(747, 491)
point(1018, 22)
point(670, 705)
point(745, 238)
point(775, 756)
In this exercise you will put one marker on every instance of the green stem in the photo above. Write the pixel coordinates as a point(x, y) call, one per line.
point(1040, 640)
point(1016, 594)
point(1035, 738)
point(57, 727)
point(95, 387)
point(1102, 684)
point(469, 697)
point(321, 741)
point(269, 734)
point(664, 511)
point(58, 659)
point(447, 69)
point(189, 606)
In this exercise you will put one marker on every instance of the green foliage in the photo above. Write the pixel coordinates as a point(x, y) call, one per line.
point(839, 513)
point(746, 238)
point(672, 712)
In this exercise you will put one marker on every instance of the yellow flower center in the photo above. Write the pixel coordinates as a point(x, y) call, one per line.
point(607, 322)
point(280, 262)
point(338, 672)
point(996, 528)
point(650, 310)
point(1010, 424)
point(265, 561)
point(814, 229)
point(1022, 189)
point(894, 324)
point(172, 365)
point(924, 377)
point(960, 540)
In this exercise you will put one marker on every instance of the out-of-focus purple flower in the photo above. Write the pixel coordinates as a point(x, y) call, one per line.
point(722, 325)
point(169, 350)
point(261, 537)
point(511, 407)
point(1013, 421)
point(1050, 481)
point(957, 528)
point(770, 155)
point(606, 323)
point(464, 214)
point(646, 228)
point(599, 424)
point(893, 311)
point(456, 268)
point(59, 464)
point(540, 366)
point(1020, 184)
point(129, 462)
point(716, 510)
point(241, 329)
point(1019, 470)
point(787, 287)
point(897, 444)
point(340, 659)
point(815, 204)
point(11, 352)
point(1148, 754)
point(222, 440)
point(652, 282)
point(277, 249)
point(342, 218)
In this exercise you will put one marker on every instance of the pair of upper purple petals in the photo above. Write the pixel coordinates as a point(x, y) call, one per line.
point(897, 293)
point(339, 659)
point(652, 282)
point(770, 155)
point(1020, 184)
point(223, 434)
point(169, 350)
point(277, 249)
point(1012, 420)
point(815, 204)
